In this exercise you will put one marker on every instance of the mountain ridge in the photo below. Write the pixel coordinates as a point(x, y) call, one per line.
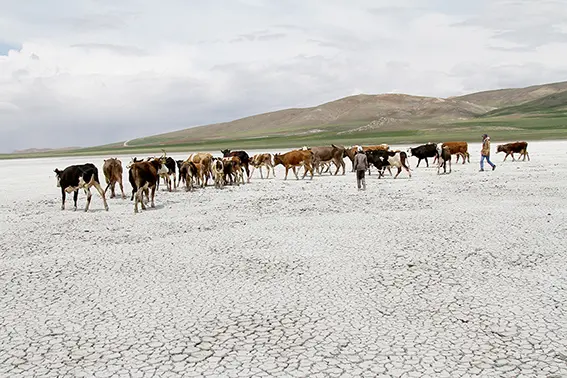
point(359, 113)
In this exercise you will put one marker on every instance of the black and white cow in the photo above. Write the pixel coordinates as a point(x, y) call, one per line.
point(76, 177)
point(171, 166)
point(382, 159)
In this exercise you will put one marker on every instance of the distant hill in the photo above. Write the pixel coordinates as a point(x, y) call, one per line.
point(553, 103)
point(535, 112)
point(349, 114)
point(513, 96)
point(43, 150)
point(364, 114)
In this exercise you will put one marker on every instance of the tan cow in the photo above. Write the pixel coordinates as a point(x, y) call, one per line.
point(112, 169)
point(262, 160)
point(206, 160)
point(294, 159)
point(327, 154)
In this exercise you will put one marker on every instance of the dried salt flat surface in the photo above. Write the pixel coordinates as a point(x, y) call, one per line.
point(441, 276)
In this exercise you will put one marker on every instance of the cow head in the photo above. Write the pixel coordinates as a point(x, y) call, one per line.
point(500, 148)
point(409, 151)
point(58, 177)
point(225, 152)
point(134, 160)
point(277, 159)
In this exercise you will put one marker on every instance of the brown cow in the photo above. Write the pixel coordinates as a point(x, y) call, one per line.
point(144, 177)
point(512, 148)
point(112, 170)
point(351, 152)
point(332, 153)
point(458, 148)
point(294, 159)
point(191, 172)
point(234, 168)
point(262, 160)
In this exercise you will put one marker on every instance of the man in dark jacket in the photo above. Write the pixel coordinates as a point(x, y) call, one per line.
point(360, 166)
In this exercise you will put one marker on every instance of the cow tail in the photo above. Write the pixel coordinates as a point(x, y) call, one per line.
point(405, 160)
point(107, 186)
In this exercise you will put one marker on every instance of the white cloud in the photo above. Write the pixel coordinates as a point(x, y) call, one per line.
point(97, 71)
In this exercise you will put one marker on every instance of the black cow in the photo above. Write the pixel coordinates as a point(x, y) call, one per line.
point(423, 152)
point(244, 159)
point(181, 173)
point(76, 177)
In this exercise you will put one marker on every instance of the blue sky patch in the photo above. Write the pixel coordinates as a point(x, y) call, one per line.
point(5, 47)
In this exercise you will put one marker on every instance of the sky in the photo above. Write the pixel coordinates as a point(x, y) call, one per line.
point(90, 72)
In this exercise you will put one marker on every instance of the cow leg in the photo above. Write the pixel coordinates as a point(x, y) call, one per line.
point(464, 158)
point(112, 187)
point(75, 196)
point(418, 161)
point(62, 199)
point(136, 200)
point(142, 203)
point(101, 192)
point(450, 169)
point(153, 189)
point(307, 167)
point(89, 197)
point(338, 166)
point(295, 172)
point(399, 170)
point(122, 189)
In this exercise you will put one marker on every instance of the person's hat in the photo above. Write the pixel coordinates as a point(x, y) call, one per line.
point(484, 135)
point(359, 149)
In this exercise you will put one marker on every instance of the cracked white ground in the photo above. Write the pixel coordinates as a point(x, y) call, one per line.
point(443, 276)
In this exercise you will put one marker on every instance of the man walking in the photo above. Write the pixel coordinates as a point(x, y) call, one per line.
point(485, 153)
point(360, 166)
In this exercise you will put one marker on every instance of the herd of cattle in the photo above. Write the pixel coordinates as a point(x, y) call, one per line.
point(200, 168)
